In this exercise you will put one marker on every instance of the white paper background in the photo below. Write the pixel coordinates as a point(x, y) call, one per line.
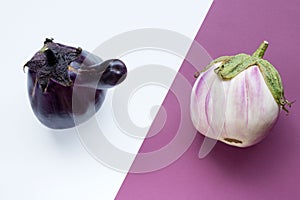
point(39, 163)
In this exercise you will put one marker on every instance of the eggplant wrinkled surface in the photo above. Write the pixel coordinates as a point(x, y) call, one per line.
point(56, 71)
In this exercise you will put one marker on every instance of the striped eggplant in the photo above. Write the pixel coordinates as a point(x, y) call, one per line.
point(237, 99)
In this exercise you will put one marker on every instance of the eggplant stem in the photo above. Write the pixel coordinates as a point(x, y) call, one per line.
point(260, 52)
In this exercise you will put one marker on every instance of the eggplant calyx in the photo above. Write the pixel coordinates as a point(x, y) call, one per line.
point(52, 62)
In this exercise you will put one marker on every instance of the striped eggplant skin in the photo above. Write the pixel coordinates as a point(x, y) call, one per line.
point(88, 74)
point(238, 111)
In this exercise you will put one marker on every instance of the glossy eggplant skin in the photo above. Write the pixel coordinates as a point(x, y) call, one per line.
point(54, 108)
point(89, 76)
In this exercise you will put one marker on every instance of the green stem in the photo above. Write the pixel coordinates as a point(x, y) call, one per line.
point(259, 53)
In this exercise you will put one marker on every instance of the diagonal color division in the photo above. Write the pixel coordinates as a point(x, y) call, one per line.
point(269, 170)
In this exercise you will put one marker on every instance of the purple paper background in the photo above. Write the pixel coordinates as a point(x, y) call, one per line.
point(269, 170)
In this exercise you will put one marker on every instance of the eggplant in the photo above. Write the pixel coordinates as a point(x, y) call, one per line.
point(56, 71)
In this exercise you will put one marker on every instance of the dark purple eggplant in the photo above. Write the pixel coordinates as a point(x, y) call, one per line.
point(54, 74)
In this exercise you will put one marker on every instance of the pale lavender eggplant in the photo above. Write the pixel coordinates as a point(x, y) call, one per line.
point(239, 111)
